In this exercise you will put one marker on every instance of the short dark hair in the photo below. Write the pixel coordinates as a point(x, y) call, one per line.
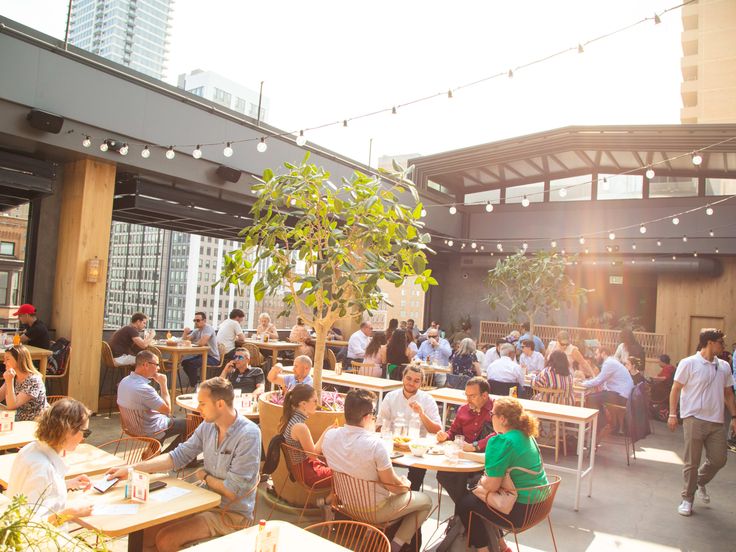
point(358, 403)
point(526, 326)
point(365, 323)
point(137, 317)
point(665, 358)
point(220, 389)
point(528, 343)
point(709, 334)
point(144, 356)
point(481, 382)
point(202, 314)
point(237, 313)
point(410, 320)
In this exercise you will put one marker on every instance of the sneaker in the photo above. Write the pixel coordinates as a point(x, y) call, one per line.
point(732, 447)
point(702, 494)
point(686, 508)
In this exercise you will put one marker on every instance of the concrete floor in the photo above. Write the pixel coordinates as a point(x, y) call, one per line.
point(632, 508)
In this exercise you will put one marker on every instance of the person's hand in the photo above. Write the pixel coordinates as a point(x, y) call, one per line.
point(672, 422)
point(468, 447)
point(187, 330)
point(80, 482)
point(442, 436)
point(278, 367)
point(160, 378)
point(230, 366)
point(416, 407)
point(119, 473)
point(9, 375)
point(201, 474)
point(78, 511)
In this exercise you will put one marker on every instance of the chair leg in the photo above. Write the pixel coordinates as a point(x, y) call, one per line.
point(516, 540)
point(551, 532)
point(557, 440)
point(564, 439)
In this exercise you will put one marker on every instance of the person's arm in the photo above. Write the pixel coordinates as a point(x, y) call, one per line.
point(604, 374)
point(392, 482)
point(318, 444)
point(455, 429)
point(300, 432)
point(185, 333)
point(428, 420)
point(204, 339)
point(157, 464)
point(444, 347)
point(274, 374)
point(491, 484)
point(674, 400)
point(584, 366)
point(242, 474)
point(13, 401)
point(272, 332)
point(229, 367)
point(730, 405)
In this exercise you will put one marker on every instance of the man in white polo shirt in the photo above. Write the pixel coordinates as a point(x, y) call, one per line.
point(411, 402)
point(702, 385)
point(358, 342)
point(357, 450)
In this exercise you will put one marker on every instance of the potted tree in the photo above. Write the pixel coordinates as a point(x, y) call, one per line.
point(327, 247)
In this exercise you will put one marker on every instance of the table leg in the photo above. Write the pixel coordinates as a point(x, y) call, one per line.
point(174, 372)
point(135, 542)
point(43, 363)
point(594, 423)
point(274, 357)
point(581, 452)
point(380, 398)
point(203, 374)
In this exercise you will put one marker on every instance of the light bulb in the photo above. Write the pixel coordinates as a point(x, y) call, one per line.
point(462, 246)
point(553, 243)
point(423, 213)
point(563, 251)
point(170, 153)
point(393, 110)
point(581, 240)
point(684, 238)
point(228, 151)
point(675, 221)
point(482, 248)
point(262, 146)
point(450, 243)
point(524, 246)
point(345, 123)
point(659, 243)
point(585, 251)
point(642, 229)
point(473, 245)
point(499, 247)
point(711, 233)
point(633, 246)
point(197, 153)
point(453, 210)
point(649, 173)
point(695, 254)
point(525, 202)
point(301, 140)
point(709, 210)
point(123, 150)
point(103, 146)
point(145, 152)
point(697, 159)
point(717, 250)
point(563, 192)
point(489, 207)
point(652, 259)
point(87, 142)
point(606, 185)
point(674, 257)
point(611, 235)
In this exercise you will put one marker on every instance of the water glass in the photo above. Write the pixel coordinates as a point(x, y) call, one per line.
point(459, 442)
point(387, 437)
point(238, 392)
point(452, 453)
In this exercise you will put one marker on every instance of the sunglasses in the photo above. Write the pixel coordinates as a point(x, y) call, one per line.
point(239, 357)
point(86, 433)
point(197, 319)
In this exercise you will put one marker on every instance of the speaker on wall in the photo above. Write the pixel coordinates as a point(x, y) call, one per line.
point(45, 121)
point(228, 174)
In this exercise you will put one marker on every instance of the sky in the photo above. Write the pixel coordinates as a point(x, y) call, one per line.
point(325, 61)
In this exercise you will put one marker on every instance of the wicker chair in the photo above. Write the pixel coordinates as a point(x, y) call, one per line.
point(133, 449)
point(193, 421)
point(166, 365)
point(256, 357)
point(131, 424)
point(330, 358)
point(352, 535)
point(541, 499)
point(296, 474)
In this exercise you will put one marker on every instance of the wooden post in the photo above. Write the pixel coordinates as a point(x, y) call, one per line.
point(78, 305)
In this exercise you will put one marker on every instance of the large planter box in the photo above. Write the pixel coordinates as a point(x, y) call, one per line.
point(270, 415)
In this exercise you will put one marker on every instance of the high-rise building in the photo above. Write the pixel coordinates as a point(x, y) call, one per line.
point(225, 92)
point(708, 64)
point(134, 33)
point(13, 232)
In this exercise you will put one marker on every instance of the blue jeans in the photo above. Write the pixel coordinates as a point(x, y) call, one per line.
point(193, 364)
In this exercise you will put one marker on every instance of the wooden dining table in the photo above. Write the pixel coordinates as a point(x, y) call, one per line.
point(42, 356)
point(176, 354)
point(22, 434)
point(190, 402)
point(275, 346)
point(577, 390)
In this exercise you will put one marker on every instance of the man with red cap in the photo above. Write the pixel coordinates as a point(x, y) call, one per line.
point(34, 332)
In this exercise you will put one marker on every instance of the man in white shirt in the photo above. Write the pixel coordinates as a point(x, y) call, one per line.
point(357, 450)
point(411, 402)
point(531, 361)
point(617, 385)
point(505, 370)
point(358, 342)
point(703, 386)
point(493, 354)
point(231, 331)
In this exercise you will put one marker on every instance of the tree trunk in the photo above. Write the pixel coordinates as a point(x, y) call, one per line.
point(319, 357)
point(531, 324)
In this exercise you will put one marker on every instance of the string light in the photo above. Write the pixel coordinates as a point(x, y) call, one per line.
point(449, 94)
point(123, 150)
point(563, 192)
point(423, 213)
point(262, 146)
point(525, 202)
point(453, 209)
point(104, 146)
point(659, 243)
point(511, 74)
point(612, 236)
point(642, 229)
point(674, 257)
point(170, 153)
point(450, 243)
point(606, 186)
point(553, 244)
point(675, 221)
point(585, 250)
point(228, 150)
point(197, 153)
point(87, 142)
point(684, 238)
point(525, 246)
point(345, 123)
point(633, 246)
point(489, 207)
point(581, 240)
point(393, 110)
point(717, 250)
point(499, 246)
point(711, 233)
point(697, 159)
point(580, 49)
point(650, 173)
point(695, 254)
point(473, 245)
point(145, 152)
point(652, 259)
point(657, 20)
point(301, 140)
point(709, 210)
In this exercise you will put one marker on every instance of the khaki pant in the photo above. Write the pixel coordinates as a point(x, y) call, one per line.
point(412, 516)
point(700, 434)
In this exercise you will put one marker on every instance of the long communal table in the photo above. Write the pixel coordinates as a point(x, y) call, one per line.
point(573, 415)
point(22, 434)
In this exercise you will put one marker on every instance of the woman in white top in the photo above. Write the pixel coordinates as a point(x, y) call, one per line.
point(38, 470)
point(265, 327)
point(572, 352)
point(375, 356)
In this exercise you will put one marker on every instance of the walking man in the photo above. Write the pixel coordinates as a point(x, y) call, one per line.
point(703, 386)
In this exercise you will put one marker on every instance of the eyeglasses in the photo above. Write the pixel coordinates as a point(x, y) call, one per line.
point(197, 319)
point(154, 363)
point(239, 357)
point(86, 433)
point(492, 414)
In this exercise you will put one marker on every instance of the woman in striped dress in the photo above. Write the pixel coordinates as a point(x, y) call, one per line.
point(556, 375)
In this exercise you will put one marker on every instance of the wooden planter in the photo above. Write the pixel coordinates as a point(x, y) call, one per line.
point(270, 415)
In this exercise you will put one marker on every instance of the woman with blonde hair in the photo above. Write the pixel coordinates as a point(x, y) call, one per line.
point(300, 334)
point(562, 343)
point(513, 447)
point(23, 390)
point(38, 469)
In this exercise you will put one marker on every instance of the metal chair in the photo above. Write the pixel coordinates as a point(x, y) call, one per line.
point(352, 535)
point(62, 374)
point(133, 449)
point(296, 474)
point(541, 499)
point(109, 363)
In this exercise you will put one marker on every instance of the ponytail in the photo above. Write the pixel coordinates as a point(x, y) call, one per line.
point(299, 393)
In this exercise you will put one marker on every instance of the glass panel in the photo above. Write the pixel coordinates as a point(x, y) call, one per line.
point(533, 192)
point(7, 248)
point(673, 186)
point(577, 188)
point(494, 196)
point(720, 186)
point(436, 186)
point(3, 286)
point(625, 186)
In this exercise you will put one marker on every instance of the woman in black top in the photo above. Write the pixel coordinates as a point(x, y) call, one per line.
point(397, 355)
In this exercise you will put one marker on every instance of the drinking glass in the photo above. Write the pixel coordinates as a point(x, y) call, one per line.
point(238, 392)
point(459, 442)
point(387, 437)
point(452, 453)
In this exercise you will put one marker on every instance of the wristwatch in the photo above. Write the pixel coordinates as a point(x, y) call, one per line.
point(475, 446)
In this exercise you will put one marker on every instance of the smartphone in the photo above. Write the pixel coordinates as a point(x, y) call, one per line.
point(103, 485)
point(156, 485)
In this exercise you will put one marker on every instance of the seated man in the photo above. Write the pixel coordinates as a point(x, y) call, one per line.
point(302, 367)
point(127, 342)
point(230, 331)
point(474, 422)
point(616, 381)
point(358, 343)
point(505, 370)
point(531, 361)
point(411, 402)
point(357, 450)
point(231, 445)
point(435, 349)
point(142, 401)
point(34, 332)
point(538, 343)
point(243, 376)
point(202, 336)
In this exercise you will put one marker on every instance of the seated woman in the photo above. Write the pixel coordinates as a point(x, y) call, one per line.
point(411, 345)
point(299, 404)
point(633, 365)
point(375, 356)
point(300, 334)
point(23, 390)
point(265, 327)
point(464, 361)
point(514, 446)
point(38, 469)
point(397, 355)
point(556, 375)
point(573, 353)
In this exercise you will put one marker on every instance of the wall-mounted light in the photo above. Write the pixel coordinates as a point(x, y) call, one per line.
point(93, 270)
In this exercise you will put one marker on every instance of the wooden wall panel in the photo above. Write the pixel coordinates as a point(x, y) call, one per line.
point(681, 297)
point(78, 306)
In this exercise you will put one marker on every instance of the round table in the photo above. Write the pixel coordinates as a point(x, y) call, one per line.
point(189, 402)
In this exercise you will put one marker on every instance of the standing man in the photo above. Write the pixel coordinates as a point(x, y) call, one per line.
point(617, 385)
point(230, 331)
point(358, 342)
point(243, 376)
point(410, 400)
point(302, 367)
point(703, 386)
point(127, 341)
point(34, 332)
point(202, 336)
point(231, 445)
point(151, 409)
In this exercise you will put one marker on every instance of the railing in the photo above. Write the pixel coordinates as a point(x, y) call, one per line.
point(654, 344)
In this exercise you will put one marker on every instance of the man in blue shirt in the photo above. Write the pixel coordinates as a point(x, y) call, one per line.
point(231, 445)
point(302, 367)
point(538, 343)
point(616, 381)
point(437, 350)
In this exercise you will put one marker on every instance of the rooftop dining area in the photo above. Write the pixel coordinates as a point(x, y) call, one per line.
point(624, 215)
